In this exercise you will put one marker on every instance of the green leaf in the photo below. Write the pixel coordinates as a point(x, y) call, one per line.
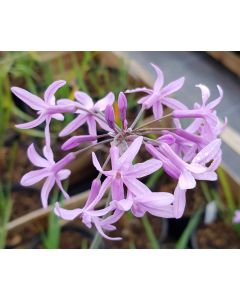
point(192, 224)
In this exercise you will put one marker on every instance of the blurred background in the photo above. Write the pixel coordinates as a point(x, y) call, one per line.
point(207, 221)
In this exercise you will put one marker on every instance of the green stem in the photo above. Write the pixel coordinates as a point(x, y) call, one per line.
point(149, 231)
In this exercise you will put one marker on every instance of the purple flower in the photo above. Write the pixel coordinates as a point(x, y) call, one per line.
point(124, 173)
point(187, 173)
point(54, 172)
point(90, 216)
point(77, 140)
point(47, 108)
point(160, 95)
point(205, 112)
point(89, 116)
point(122, 106)
point(110, 116)
point(236, 218)
point(157, 204)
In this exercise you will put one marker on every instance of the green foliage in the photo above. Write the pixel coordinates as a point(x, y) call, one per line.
point(5, 198)
point(51, 240)
point(146, 224)
point(192, 224)
point(226, 189)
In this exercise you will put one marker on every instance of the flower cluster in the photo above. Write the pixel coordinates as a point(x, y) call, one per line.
point(186, 154)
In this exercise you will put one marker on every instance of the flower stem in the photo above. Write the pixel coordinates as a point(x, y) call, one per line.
point(137, 117)
point(151, 122)
point(96, 241)
point(91, 146)
point(97, 237)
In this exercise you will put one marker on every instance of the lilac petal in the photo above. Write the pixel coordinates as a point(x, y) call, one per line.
point(157, 110)
point(63, 162)
point(48, 153)
point(210, 176)
point(167, 151)
point(65, 194)
point(51, 90)
point(186, 181)
point(236, 218)
point(173, 103)
point(102, 104)
point(95, 188)
point(97, 223)
point(64, 174)
point(123, 205)
point(67, 214)
point(35, 158)
point(73, 125)
point(103, 125)
point(129, 155)
point(163, 212)
point(160, 78)
point(216, 162)
point(122, 106)
point(214, 103)
point(59, 117)
point(31, 100)
point(67, 102)
point(110, 116)
point(173, 87)
point(96, 163)
point(208, 153)
point(189, 136)
point(190, 153)
point(142, 89)
point(77, 140)
point(195, 168)
point(46, 189)
point(117, 189)
point(138, 210)
point(155, 199)
point(145, 168)
point(205, 93)
point(107, 223)
point(179, 202)
point(33, 177)
point(105, 185)
point(101, 212)
point(135, 186)
point(32, 124)
point(114, 154)
point(167, 138)
point(192, 128)
point(84, 99)
point(143, 99)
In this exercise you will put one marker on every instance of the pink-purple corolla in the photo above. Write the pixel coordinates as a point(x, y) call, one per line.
point(186, 154)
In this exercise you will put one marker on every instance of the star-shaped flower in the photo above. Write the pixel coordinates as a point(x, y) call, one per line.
point(47, 108)
point(86, 102)
point(125, 173)
point(186, 173)
point(89, 215)
point(159, 95)
point(54, 172)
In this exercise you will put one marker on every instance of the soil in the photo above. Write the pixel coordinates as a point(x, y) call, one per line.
point(133, 233)
point(217, 236)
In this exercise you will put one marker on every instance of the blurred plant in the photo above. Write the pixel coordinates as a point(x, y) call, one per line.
point(5, 197)
point(51, 240)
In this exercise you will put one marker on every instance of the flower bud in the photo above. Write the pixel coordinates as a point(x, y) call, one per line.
point(110, 116)
point(122, 106)
point(77, 140)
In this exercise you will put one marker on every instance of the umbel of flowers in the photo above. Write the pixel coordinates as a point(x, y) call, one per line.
point(186, 154)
